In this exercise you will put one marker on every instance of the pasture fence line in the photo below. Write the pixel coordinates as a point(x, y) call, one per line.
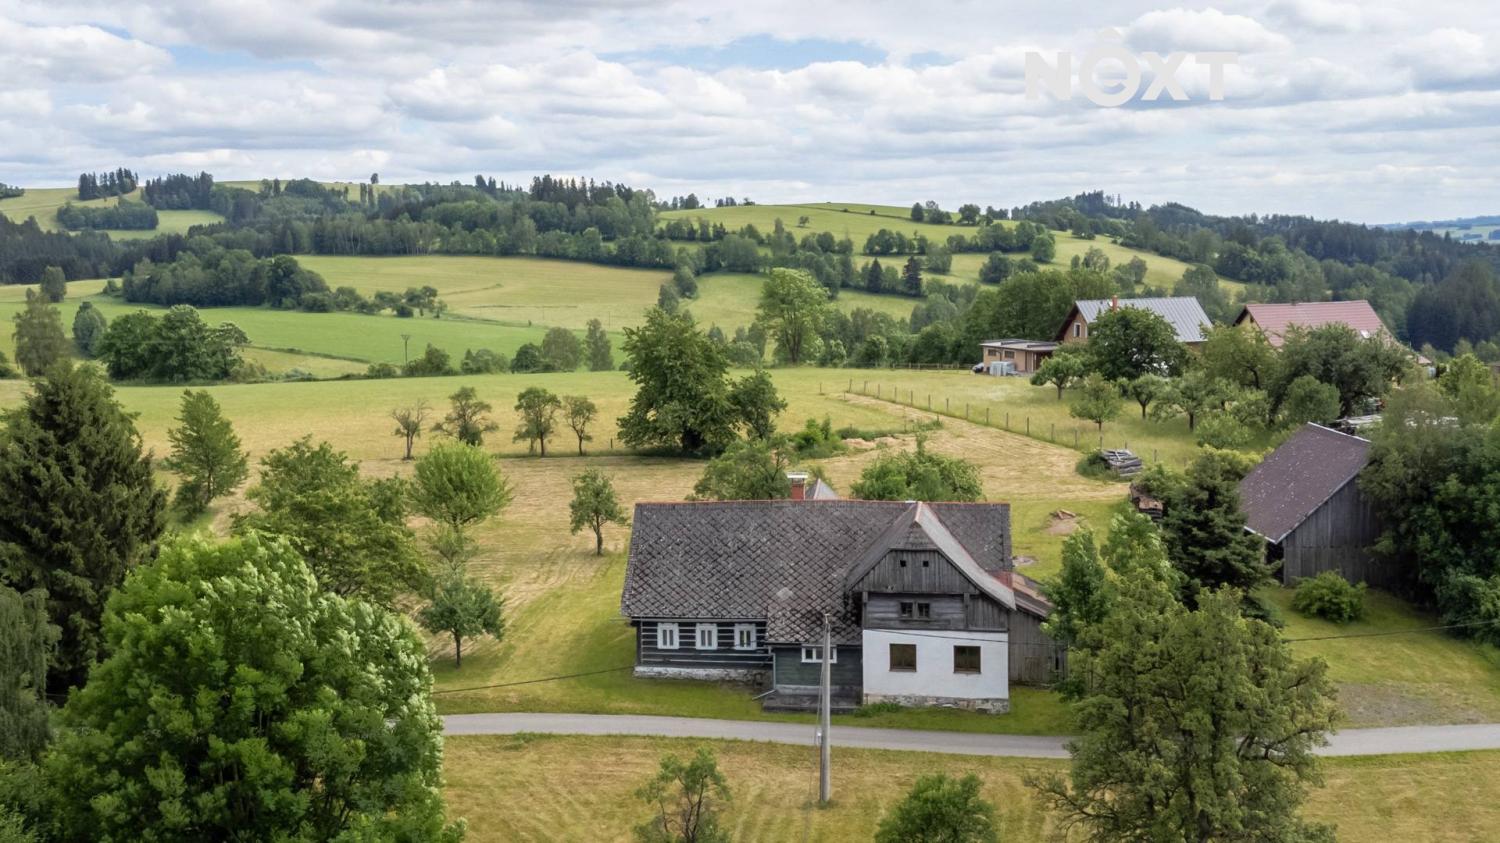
point(1076, 437)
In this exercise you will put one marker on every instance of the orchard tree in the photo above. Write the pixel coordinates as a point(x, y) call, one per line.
point(205, 451)
point(792, 310)
point(686, 799)
point(579, 412)
point(351, 531)
point(1191, 395)
point(409, 421)
point(1310, 400)
point(1145, 389)
point(1128, 342)
point(1061, 370)
point(750, 470)
point(81, 508)
point(1097, 401)
point(939, 809)
point(595, 505)
point(458, 486)
point(462, 607)
point(331, 733)
point(1359, 367)
point(468, 418)
point(1239, 356)
point(537, 409)
point(39, 337)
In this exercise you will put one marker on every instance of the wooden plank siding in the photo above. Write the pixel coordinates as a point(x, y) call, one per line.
point(688, 655)
point(792, 674)
point(915, 572)
point(1035, 659)
point(1337, 536)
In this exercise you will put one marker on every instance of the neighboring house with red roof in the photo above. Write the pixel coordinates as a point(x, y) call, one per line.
point(1274, 320)
point(1304, 500)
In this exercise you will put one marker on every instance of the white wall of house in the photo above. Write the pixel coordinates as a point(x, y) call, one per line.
point(935, 676)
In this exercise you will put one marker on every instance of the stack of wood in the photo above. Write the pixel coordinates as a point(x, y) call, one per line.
point(1144, 503)
point(1122, 463)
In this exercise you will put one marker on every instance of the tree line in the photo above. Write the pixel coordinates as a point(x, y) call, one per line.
point(117, 182)
point(126, 215)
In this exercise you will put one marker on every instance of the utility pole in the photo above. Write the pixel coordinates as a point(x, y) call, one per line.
point(406, 348)
point(825, 718)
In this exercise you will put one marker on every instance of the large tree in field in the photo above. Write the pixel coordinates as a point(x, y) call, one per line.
point(1203, 527)
point(468, 418)
point(792, 309)
point(579, 412)
point(1128, 342)
point(54, 284)
point(205, 451)
point(458, 486)
point(682, 395)
point(595, 505)
point(561, 350)
point(536, 410)
point(597, 347)
point(79, 507)
point(39, 337)
point(1197, 725)
point(757, 403)
point(352, 532)
point(241, 701)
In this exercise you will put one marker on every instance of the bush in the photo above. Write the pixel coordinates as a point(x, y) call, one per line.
point(1329, 596)
point(1095, 467)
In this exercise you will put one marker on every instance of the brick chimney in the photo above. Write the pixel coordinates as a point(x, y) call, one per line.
point(1114, 303)
point(799, 484)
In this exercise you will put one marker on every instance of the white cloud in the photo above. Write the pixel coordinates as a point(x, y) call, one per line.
point(75, 53)
point(1206, 30)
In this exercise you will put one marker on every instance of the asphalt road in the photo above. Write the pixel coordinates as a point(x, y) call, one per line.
point(1386, 741)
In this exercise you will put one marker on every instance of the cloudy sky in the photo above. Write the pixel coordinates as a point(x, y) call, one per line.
point(1368, 111)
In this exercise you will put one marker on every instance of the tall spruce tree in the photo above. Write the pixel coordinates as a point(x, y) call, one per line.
point(40, 341)
point(205, 451)
point(78, 507)
point(26, 642)
point(1203, 528)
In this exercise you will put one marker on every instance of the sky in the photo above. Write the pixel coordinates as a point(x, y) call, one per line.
point(1368, 111)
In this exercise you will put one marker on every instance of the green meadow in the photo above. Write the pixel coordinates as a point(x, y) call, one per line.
point(43, 202)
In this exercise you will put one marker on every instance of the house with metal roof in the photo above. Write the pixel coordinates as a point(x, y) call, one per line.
point(1274, 320)
point(1304, 500)
point(920, 600)
point(1183, 313)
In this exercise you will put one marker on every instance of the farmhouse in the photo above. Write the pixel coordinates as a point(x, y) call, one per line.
point(1274, 320)
point(921, 600)
point(1018, 357)
point(1304, 500)
point(1183, 313)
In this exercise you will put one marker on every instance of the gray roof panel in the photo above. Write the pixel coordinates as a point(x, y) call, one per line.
point(1295, 479)
point(1184, 313)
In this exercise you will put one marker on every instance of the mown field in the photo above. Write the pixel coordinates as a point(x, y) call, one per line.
point(857, 222)
point(43, 202)
point(532, 788)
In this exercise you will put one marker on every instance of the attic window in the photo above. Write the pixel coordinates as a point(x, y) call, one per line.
point(903, 563)
point(925, 563)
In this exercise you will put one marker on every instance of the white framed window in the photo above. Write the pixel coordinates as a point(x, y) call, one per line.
point(814, 655)
point(707, 636)
point(1077, 329)
point(666, 636)
point(744, 636)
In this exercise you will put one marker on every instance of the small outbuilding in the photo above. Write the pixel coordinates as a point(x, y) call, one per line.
point(1304, 500)
point(1016, 357)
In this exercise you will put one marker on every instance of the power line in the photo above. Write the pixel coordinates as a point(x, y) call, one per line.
point(534, 681)
point(1394, 631)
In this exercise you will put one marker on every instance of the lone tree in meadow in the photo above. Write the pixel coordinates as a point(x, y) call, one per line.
point(351, 531)
point(594, 505)
point(1061, 370)
point(1097, 401)
point(89, 327)
point(792, 309)
point(458, 486)
point(597, 347)
point(686, 799)
point(537, 409)
point(409, 421)
point(205, 451)
point(939, 809)
point(39, 337)
point(579, 412)
point(682, 395)
point(462, 608)
point(468, 418)
point(81, 508)
point(54, 284)
point(332, 734)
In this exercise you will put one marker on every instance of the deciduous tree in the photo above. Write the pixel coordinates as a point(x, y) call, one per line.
point(1128, 342)
point(746, 471)
point(919, 475)
point(27, 639)
point(792, 309)
point(686, 799)
point(89, 327)
point(1098, 400)
point(468, 418)
point(54, 284)
point(409, 421)
point(1062, 370)
point(561, 350)
point(537, 410)
point(757, 404)
point(597, 346)
point(462, 607)
point(682, 395)
point(939, 809)
point(579, 412)
point(205, 451)
point(458, 486)
point(39, 335)
point(595, 505)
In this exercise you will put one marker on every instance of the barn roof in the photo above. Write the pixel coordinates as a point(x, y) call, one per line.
point(786, 561)
point(1183, 313)
point(1275, 319)
point(1294, 480)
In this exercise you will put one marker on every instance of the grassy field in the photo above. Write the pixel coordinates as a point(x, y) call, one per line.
point(857, 222)
point(527, 788)
point(43, 203)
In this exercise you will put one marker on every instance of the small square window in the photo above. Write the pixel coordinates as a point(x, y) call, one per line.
point(902, 563)
point(666, 636)
point(924, 611)
point(814, 655)
point(708, 636)
point(965, 659)
point(904, 657)
point(744, 636)
point(925, 563)
point(904, 609)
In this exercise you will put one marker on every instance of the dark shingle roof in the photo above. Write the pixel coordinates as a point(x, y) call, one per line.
point(1295, 479)
point(784, 561)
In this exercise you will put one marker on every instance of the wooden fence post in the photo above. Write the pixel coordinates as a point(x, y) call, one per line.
point(986, 416)
point(1007, 420)
point(1053, 435)
point(1028, 425)
point(1075, 437)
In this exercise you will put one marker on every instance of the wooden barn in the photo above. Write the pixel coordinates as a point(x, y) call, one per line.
point(1304, 500)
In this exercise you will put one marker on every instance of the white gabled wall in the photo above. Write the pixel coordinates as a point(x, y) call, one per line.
point(934, 676)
